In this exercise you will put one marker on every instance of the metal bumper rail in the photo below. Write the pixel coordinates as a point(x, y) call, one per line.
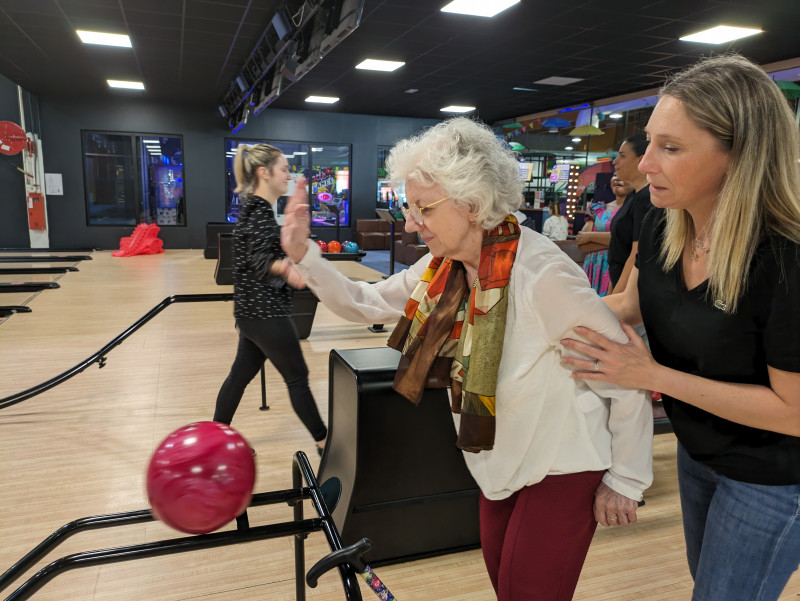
point(298, 527)
point(100, 356)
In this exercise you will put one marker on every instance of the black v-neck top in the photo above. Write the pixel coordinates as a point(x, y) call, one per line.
point(688, 333)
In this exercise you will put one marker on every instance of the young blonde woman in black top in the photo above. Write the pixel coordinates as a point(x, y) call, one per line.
point(263, 280)
point(717, 285)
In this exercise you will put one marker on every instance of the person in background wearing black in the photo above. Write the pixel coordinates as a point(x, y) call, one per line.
point(262, 291)
point(717, 285)
point(627, 222)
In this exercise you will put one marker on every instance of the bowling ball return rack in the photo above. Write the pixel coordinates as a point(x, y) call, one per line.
point(348, 560)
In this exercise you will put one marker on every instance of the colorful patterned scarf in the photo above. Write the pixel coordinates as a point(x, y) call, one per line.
point(452, 335)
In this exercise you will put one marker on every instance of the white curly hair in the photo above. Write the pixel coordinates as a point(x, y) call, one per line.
point(467, 161)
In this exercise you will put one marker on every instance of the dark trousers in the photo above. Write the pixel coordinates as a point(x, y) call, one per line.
point(274, 339)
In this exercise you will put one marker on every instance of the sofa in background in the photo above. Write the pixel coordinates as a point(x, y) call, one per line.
point(373, 234)
point(407, 249)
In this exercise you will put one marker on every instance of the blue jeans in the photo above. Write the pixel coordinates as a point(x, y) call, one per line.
point(742, 540)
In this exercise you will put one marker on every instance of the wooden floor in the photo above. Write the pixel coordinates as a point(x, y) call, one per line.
point(81, 448)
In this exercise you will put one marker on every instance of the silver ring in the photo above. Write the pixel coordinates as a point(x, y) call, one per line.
point(596, 366)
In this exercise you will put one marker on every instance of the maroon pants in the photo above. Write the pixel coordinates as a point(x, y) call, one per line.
point(535, 541)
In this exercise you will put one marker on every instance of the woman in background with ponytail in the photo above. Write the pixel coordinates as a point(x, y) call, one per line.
point(263, 282)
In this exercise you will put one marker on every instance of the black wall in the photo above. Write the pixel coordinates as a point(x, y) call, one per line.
point(204, 132)
point(13, 211)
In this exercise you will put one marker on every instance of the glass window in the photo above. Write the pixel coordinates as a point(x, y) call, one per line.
point(297, 155)
point(387, 199)
point(110, 177)
point(133, 178)
point(330, 185)
point(326, 167)
point(162, 180)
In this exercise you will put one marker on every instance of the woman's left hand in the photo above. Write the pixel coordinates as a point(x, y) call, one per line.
point(629, 364)
point(612, 508)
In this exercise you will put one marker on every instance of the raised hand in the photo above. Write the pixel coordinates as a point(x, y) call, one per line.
point(295, 229)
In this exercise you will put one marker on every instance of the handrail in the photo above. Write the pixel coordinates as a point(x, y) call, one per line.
point(100, 356)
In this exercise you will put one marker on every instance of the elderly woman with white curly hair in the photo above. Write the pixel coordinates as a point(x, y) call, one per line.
point(484, 314)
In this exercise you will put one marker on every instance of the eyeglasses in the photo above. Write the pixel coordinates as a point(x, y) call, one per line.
point(415, 212)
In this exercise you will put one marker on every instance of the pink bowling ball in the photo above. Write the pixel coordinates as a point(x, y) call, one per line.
point(201, 477)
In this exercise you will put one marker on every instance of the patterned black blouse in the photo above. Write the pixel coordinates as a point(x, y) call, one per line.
point(257, 294)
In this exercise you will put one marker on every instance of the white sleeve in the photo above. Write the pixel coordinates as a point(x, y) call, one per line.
point(382, 302)
point(563, 299)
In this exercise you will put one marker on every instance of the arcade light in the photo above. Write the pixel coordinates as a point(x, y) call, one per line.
point(572, 191)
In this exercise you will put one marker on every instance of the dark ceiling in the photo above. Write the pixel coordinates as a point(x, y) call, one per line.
point(190, 51)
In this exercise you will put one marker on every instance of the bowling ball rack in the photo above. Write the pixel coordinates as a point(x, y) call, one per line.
point(322, 497)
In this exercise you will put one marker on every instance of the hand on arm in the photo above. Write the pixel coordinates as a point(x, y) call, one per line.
point(775, 408)
point(593, 241)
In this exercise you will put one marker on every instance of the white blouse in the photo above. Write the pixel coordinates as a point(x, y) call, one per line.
point(547, 422)
point(556, 227)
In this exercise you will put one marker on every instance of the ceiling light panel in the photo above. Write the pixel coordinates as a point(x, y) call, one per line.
point(720, 34)
point(323, 99)
point(372, 64)
point(125, 85)
point(479, 8)
point(558, 81)
point(454, 108)
point(104, 39)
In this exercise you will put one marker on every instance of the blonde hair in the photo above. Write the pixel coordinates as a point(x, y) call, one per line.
point(737, 102)
point(247, 161)
point(467, 161)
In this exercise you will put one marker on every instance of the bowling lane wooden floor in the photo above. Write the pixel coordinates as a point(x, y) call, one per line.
point(81, 449)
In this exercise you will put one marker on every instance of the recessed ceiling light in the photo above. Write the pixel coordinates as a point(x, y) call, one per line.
point(558, 81)
point(576, 139)
point(720, 34)
point(524, 89)
point(104, 39)
point(323, 99)
point(372, 64)
point(454, 108)
point(125, 85)
point(316, 150)
point(567, 147)
point(478, 8)
point(412, 91)
point(615, 116)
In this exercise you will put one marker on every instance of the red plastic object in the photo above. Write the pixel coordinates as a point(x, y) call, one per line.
point(143, 241)
point(334, 247)
point(201, 477)
point(323, 246)
point(12, 138)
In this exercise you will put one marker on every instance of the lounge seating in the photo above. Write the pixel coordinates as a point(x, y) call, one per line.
point(372, 234)
point(408, 250)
